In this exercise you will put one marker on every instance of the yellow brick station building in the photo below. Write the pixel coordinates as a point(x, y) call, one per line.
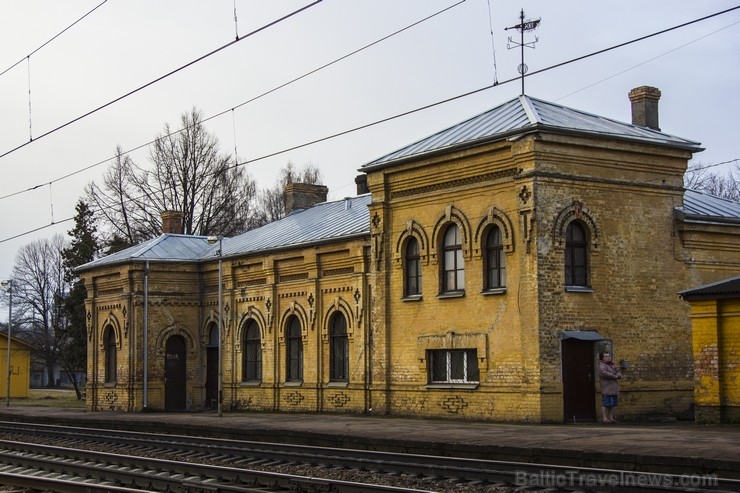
point(715, 317)
point(476, 275)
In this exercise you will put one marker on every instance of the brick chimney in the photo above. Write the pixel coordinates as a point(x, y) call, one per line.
point(303, 196)
point(361, 182)
point(172, 222)
point(645, 106)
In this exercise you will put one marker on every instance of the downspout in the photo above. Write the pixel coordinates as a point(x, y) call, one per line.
point(146, 336)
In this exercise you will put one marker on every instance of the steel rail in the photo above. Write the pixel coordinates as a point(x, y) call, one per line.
point(152, 474)
point(453, 468)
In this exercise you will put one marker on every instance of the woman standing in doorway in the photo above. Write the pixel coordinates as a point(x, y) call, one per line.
point(609, 376)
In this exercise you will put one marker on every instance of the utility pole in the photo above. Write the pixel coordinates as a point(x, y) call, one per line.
point(9, 284)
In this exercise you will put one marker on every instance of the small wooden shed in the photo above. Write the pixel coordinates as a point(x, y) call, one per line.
point(20, 367)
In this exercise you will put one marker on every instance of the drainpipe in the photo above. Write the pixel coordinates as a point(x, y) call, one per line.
point(146, 335)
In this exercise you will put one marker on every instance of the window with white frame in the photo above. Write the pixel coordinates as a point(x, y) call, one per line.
point(453, 268)
point(453, 366)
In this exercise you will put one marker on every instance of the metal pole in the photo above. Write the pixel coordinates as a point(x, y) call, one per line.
point(10, 317)
point(220, 322)
point(146, 336)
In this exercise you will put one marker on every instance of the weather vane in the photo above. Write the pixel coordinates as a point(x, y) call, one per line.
point(528, 25)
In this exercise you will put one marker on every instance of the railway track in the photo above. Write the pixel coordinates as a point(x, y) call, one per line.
point(162, 462)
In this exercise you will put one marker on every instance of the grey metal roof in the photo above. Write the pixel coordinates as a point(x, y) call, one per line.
point(727, 288)
point(525, 114)
point(164, 248)
point(335, 220)
point(328, 221)
point(701, 206)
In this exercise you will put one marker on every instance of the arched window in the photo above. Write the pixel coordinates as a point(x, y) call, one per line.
point(495, 261)
point(338, 349)
point(453, 270)
point(412, 265)
point(252, 356)
point(110, 354)
point(294, 350)
point(576, 255)
point(213, 338)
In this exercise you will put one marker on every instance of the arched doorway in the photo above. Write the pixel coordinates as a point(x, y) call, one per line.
point(212, 368)
point(174, 374)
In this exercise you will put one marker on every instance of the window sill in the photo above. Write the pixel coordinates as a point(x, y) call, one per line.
point(293, 383)
point(251, 383)
point(413, 297)
point(578, 289)
point(109, 385)
point(451, 294)
point(456, 386)
point(488, 292)
point(341, 385)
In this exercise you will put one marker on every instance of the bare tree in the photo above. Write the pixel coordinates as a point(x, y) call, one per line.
point(272, 200)
point(39, 289)
point(189, 174)
point(698, 177)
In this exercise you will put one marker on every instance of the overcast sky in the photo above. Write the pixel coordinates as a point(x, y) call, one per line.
point(125, 44)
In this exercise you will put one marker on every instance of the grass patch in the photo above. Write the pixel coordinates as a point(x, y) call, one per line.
point(49, 398)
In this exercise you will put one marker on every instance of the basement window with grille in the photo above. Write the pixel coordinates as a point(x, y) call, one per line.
point(456, 368)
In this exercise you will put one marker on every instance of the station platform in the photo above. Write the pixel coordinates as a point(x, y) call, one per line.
point(661, 447)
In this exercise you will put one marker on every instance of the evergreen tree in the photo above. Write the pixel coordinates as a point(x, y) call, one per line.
point(84, 248)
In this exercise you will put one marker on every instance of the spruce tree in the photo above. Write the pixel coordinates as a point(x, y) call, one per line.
point(84, 248)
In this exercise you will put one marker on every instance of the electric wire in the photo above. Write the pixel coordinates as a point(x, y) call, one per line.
point(421, 108)
point(52, 39)
point(250, 100)
point(161, 78)
point(647, 61)
point(493, 45)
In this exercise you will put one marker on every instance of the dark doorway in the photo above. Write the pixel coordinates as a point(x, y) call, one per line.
point(212, 368)
point(174, 374)
point(579, 388)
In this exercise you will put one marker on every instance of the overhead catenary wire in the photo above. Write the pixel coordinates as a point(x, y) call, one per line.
point(52, 38)
point(159, 79)
point(250, 100)
point(421, 108)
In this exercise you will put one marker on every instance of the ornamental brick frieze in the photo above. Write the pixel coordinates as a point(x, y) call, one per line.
point(294, 277)
point(251, 282)
point(526, 217)
point(298, 294)
point(250, 299)
point(338, 272)
point(470, 180)
point(167, 302)
point(336, 290)
point(293, 398)
point(453, 404)
point(339, 399)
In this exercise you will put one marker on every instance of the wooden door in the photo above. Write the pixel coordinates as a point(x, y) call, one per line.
point(579, 388)
point(174, 374)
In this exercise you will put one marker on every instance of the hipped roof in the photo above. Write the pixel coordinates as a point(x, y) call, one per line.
point(526, 114)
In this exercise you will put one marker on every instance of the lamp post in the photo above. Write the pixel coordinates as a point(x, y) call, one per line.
point(211, 240)
point(9, 284)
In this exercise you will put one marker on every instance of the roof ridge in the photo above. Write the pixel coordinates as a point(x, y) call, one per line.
point(532, 114)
